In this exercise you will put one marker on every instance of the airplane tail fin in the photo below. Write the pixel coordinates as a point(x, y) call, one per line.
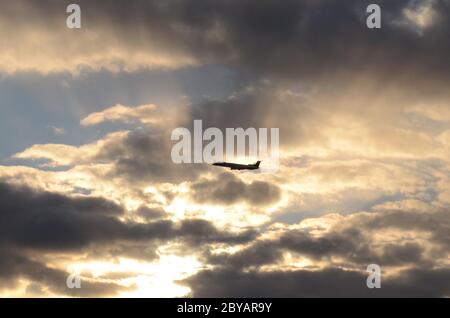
point(257, 163)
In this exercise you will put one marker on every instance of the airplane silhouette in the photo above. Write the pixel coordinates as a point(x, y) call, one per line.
point(236, 166)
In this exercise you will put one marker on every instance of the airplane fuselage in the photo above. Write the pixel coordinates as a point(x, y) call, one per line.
point(236, 166)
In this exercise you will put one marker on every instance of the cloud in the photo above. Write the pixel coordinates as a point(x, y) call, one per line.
point(66, 155)
point(137, 156)
point(228, 189)
point(350, 244)
point(306, 260)
point(312, 39)
point(40, 231)
point(120, 113)
point(51, 47)
point(421, 16)
point(149, 213)
point(14, 266)
point(141, 156)
point(57, 131)
point(364, 136)
point(49, 221)
point(332, 282)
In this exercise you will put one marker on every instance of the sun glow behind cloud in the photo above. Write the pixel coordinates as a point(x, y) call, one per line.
point(147, 279)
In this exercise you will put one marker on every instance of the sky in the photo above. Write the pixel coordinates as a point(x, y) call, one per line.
point(88, 186)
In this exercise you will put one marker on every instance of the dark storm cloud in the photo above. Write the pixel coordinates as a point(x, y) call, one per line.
point(150, 214)
point(88, 206)
point(237, 274)
point(331, 282)
point(41, 220)
point(143, 156)
point(258, 254)
point(33, 221)
point(143, 251)
point(351, 246)
point(353, 242)
point(394, 254)
point(201, 231)
point(290, 39)
point(46, 220)
point(437, 223)
point(14, 266)
point(228, 189)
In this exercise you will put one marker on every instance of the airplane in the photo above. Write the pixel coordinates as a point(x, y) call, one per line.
point(236, 166)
